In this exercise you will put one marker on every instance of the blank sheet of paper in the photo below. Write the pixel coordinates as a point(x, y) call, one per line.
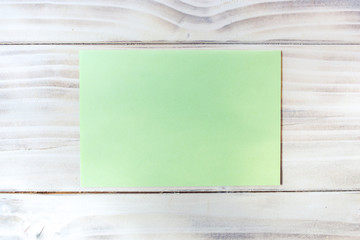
point(180, 118)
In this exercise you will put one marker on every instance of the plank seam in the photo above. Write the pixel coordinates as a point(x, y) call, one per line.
point(178, 192)
point(195, 43)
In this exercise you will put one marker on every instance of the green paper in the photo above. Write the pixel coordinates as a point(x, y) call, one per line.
point(151, 118)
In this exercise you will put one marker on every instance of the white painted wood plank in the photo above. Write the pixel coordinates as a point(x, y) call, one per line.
point(173, 20)
point(283, 216)
point(39, 123)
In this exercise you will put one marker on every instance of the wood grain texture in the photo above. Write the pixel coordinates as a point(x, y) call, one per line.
point(39, 120)
point(283, 216)
point(55, 21)
point(39, 124)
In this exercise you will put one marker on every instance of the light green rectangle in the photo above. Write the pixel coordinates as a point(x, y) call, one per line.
point(180, 118)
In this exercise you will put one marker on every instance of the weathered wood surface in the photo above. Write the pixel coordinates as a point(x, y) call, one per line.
point(171, 20)
point(39, 123)
point(283, 216)
point(39, 120)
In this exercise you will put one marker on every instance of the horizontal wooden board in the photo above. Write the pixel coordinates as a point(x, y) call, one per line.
point(39, 123)
point(59, 21)
point(283, 216)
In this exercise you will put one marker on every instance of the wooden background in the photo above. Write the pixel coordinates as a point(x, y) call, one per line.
point(40, 193)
